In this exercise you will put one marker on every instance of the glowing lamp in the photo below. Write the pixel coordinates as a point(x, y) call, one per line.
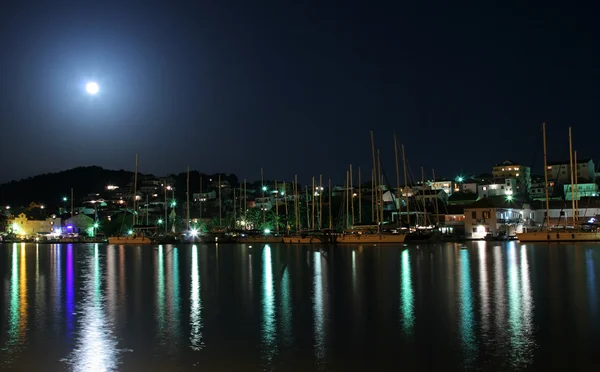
point(267, 231)
point(92, 88)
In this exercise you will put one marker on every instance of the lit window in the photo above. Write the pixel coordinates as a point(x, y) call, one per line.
point(517, 174)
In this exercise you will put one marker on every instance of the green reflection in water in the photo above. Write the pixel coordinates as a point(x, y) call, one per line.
point(407, 294)
point(175, 291)
point(195, 305)
point(160, 298)
point(268, 331)
point(13, 331)
point(467, 320)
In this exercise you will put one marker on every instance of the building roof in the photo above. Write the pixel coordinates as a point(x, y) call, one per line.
point(498, 202)
point(507, 162)
point(453, 209)
point(462, 196)
point(566, 162)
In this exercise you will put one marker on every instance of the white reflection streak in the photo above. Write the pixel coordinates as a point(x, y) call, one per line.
point(96, 347)
point(286, 306)
point(111, 296)
point(319, 305)
point(195, 305)
point(269, 332)
point(526, 292)
point(499, 288)
point(484, 287)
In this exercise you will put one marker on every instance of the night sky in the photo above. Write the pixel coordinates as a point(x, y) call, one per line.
point(235, 86)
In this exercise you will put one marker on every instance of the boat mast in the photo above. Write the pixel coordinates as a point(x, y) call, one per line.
point(424, 198)
point(346, 193)
point(572, 185)
point(296, 203)
point(312, 225)
point(437, 210)
point(187, 202)
point(262, 190)
point(576, 170)
point(287, 225)
point(234, 210)
point(245, 206)
point(134, 192)
point(359, 198)
point(546, 177)
point(374, 181)
point(397, 177)
point(406, 185)
point(276, 208)
point(320, 201)
point(373, 195)
point(307, 208)
point(351, 191)
point(329, 207)
point(220, 220)
point(380, 216)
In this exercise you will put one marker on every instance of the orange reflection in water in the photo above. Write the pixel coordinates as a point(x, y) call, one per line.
point(22, 293)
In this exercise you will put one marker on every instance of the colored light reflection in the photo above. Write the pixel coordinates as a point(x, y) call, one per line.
point(96, 345)
point(23, 294)
point(406, 294)
point(173, 297)
point(520, 307)
point(195, 305)
point(467, 318)
point(14, 314)
point(484, 287)
point(320, 305)
point(268, 330)
point(591, 282)
point(70, 292)
point(160, 295)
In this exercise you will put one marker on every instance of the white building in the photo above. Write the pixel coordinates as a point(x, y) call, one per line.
point(496, 214)
point(498, 187)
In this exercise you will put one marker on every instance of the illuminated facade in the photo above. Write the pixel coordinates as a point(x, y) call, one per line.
point(29, 225)
point(499, 187)
point(521, 173)
point(495, 215)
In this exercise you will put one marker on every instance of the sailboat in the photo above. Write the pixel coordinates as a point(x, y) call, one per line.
point(558, 235)
point(137, 236)
point(373, 234)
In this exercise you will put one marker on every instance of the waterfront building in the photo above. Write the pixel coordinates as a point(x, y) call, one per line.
point(496, 215)
point(30, 224)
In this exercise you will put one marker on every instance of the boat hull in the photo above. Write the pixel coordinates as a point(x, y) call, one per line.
point(301, 240)
point(558, 237)
point(261, 239)
point(128, 240)
point(371, 239)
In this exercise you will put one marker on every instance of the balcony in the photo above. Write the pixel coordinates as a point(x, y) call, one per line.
point(510, 221)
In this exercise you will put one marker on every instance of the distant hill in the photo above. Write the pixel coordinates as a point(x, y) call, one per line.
point(51, 187)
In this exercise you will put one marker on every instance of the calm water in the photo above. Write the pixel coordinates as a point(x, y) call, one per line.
point(489, 307)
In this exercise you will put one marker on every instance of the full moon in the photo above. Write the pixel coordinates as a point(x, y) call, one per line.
point(92, 87)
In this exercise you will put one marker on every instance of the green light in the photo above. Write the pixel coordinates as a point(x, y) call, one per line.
point(160, 221)
point(173, 204)
point(264, 188)
point(509, 197)
point(460, 179)
point(65, 198)
point(96, 225)
point(130, 232)
point(267, 231)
